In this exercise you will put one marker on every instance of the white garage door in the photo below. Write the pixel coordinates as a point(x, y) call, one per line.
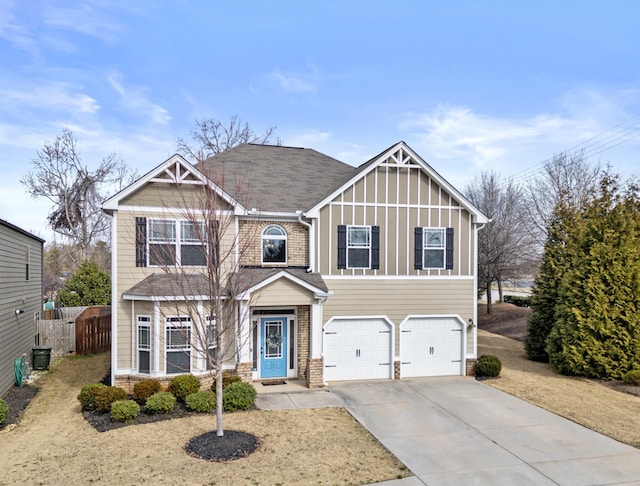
point(357, 349)
point(430, 346)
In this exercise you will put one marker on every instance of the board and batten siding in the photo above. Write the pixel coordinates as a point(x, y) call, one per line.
point(17, 332)
point(396, 299)
point(397, 198)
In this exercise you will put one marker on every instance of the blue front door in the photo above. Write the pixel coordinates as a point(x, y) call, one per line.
point(273, 347)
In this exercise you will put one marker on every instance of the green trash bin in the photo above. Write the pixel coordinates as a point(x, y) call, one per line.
point(41, 357)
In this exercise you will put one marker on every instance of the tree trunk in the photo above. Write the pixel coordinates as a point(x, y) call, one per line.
point(500, 294)
point(219, 429)
point(488, 293)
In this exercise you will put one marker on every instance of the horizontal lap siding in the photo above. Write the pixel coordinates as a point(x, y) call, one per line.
point(17, 332)
point(396, 299)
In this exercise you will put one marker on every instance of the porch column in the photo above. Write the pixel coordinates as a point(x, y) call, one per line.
point(316, 331)
point(155, 369)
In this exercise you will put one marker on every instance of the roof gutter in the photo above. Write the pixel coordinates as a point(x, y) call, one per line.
point(311, 241)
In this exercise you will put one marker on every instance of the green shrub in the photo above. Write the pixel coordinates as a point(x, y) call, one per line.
point(161, 402)
point(517, 300)
point(183, 385)
point(106, 395)
point(202, 401)
point(632, 377)
point(124, 410)
point(4, 411)
point(238, 396)
point(144, 389)
point(87, 396)
point(226, 381)
point(488, 366)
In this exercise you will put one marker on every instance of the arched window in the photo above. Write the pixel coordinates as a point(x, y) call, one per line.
point(274, 244)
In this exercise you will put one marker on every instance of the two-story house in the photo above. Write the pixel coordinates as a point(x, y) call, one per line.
point(345, 273)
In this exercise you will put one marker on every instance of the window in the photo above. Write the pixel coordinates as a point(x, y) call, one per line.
point(210, 323)
point(358, 247)
point(144, 344)
point(274, 244)
point(174, 242)
point(433, 248)
point(27, 261)
point(178, 345)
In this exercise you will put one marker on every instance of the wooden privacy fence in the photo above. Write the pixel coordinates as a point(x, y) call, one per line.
point(82, 330)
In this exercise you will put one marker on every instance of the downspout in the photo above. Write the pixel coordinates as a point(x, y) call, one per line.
point(311, 241)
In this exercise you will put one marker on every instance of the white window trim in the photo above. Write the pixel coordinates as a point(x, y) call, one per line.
point(284, 237)
point(425, 247)
point(143, 321)
point(182, 323)
point(177, 242)
point(349, 246)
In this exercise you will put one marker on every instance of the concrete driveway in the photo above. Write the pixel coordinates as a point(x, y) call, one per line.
point(458, 431)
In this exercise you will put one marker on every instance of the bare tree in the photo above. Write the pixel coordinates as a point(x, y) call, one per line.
point(76, 192)
point(567, 177)
point(505, 247)
point(207, 266)
point(211, 137)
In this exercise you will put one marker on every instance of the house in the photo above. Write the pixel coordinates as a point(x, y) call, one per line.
point(348, 273)
point(21, 255)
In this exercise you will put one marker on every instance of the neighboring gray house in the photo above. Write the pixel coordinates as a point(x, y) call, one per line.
point(21, 257)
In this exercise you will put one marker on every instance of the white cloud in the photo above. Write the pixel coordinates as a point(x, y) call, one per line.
point(307, 138)
point(295, 82)
point(134, 99)
point(56, 96)
point(88, 18)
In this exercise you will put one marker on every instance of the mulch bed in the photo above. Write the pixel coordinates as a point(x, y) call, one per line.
point(17, 399)
point(102, 421)
point(234, 444)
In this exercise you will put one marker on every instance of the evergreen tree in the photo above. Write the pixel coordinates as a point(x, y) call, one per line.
point(89, 285)
point(564, 221)
point(596, 332)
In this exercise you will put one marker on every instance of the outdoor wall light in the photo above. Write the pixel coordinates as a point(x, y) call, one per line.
point(19, 311)
point(471, 324)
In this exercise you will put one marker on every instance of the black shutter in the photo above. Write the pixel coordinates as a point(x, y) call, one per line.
point(375, 247)
point(417, 251)
point(342, 246)
point(449, 249)
point(214, 243)
point(141, 242)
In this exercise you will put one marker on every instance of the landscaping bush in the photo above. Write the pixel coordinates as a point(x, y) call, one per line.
point(520, 301)
point(183, 385)
point(202, 401)
point(161, 402)
point(226, 381)
point(124, 410)
point(106, 395)
point(488, 366)
point(4, 411)
point(238, 396)
point(632, 377)
point(87, 395)
point(144, 389)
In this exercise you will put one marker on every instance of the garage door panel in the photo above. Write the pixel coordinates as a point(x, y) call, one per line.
point(357, 349)
point(431, 347)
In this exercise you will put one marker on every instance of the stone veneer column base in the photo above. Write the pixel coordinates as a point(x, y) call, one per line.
point(396, 370)
point(471, 367)
point(245, 372)
point(315, 373)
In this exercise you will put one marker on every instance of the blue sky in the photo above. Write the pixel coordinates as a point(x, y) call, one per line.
point(471, 86)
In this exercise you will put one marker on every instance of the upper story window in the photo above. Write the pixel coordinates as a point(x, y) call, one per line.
point(173, 242)
point(434, 248)
point(27, 263)
point(274, 244)
point(359, 247)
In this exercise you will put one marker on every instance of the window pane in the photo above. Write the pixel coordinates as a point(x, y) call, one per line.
point(144, 334)
point(160, 255)
point(161, 230)
point(434, 259)
point(274, 230)
point(143, 361)
point(359, 236)
point(274, 251)
point(178, 338)
point(178, 362)
point(434, 238)
point(191, 232)
point(193, 255)
point(358, 258)
point(211, 336)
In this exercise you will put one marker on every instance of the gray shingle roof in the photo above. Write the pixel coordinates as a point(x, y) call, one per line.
point(276, 178)
point(250, 277)
point(171, 285)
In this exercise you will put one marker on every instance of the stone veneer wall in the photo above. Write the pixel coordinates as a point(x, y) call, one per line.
point(245, 372)
point(315, 378)
point(471, 367)
point(304, 340)
point(396, 370)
